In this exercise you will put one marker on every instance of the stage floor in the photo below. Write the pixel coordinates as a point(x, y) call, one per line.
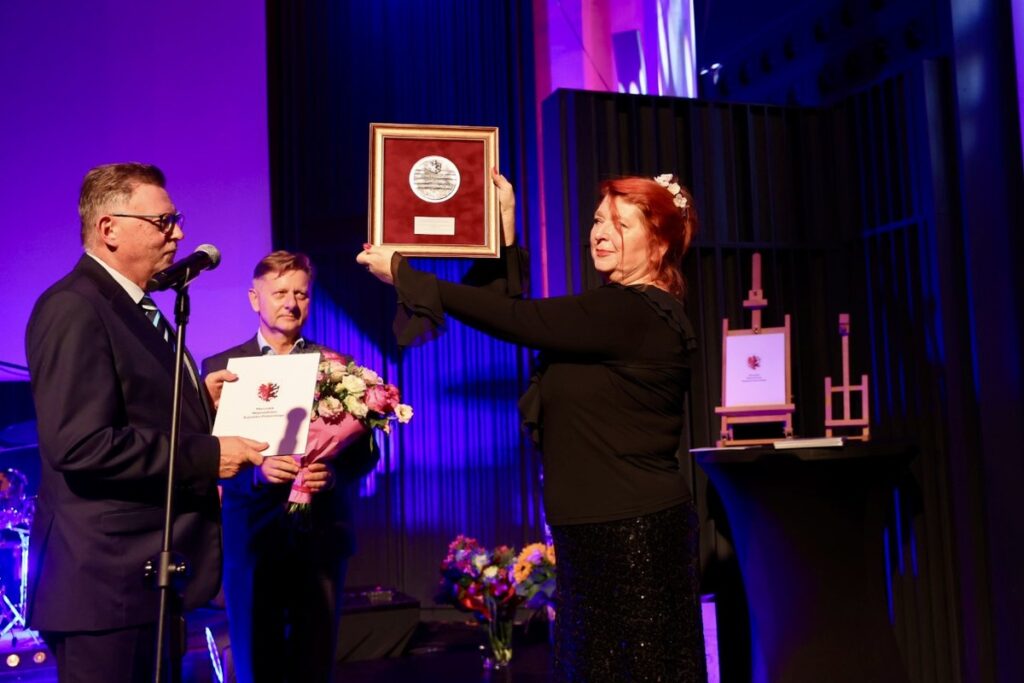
point(436, 652)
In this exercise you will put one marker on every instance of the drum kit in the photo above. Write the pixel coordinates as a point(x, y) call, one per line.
point(16, 510)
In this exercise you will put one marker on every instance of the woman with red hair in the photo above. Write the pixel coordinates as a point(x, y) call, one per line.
point(608, 405)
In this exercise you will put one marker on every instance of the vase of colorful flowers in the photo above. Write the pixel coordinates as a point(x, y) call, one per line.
point(481, 581)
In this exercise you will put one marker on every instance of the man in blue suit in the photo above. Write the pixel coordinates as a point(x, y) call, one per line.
point(102, 367)
point(283, 581)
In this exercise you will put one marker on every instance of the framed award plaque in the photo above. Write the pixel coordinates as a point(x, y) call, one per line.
point(431, 192)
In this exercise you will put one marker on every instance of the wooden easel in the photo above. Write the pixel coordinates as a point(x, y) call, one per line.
point(846, 389)
point(733, 414)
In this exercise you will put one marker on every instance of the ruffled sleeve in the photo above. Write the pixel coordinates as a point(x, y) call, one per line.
point(530, 405)
point(420, 316)
point(669, 309)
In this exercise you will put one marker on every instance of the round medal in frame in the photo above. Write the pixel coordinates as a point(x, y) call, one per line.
point(434, 179)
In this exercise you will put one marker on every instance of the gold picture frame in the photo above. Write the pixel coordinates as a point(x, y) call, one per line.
point(431, 192)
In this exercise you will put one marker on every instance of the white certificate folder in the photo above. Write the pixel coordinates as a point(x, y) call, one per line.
point(271, 401)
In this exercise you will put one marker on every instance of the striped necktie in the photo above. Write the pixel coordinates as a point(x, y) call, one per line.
point(155, 317)
point(153, 313)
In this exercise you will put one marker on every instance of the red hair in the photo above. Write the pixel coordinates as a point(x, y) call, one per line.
point(669, 227)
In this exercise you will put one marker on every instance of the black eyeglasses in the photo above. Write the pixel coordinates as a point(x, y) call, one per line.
point(164, 222)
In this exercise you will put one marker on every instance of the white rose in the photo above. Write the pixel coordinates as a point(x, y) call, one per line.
point(404, 413)
point(338, 370)
point(490, 572)
point(663, 179)
point(370, 377)
point(353, 385)
point(479, 560)
point(674, 188)
point(329, 408)
point(354, 406)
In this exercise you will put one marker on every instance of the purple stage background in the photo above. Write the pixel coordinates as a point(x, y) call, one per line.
point(181, 85)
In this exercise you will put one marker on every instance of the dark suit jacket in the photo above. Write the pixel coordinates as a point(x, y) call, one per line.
point(102, 380)
point(254, 513)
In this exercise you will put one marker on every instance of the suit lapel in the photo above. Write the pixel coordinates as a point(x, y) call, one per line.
point(149, 337)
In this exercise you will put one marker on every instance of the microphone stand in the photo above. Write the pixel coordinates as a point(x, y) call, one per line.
point(169, 567)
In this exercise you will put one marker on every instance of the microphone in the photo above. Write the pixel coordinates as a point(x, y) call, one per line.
point(178, 275)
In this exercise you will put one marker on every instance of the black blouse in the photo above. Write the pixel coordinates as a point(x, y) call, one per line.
point(609, 399)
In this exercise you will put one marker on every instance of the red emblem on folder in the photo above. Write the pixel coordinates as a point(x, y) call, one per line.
point(267, 391)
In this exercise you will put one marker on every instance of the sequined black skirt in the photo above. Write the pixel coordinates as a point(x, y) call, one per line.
point(628, 606)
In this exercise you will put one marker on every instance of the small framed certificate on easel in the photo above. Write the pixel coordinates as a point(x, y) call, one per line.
point(431, 192)
point(756, 386)
point(755, 367)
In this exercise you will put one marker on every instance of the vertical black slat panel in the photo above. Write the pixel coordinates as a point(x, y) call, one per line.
point(878, 187)
point(600, 146)
point(671, 142)
point(842, 200)
point(891, 325)
point(556, 193)
point(702, 272)
point(692, 128)
point(619, 154)
point(870, 136)
point(785, 172)
point(741, 163)
point(816, 186)
point(628, 113)
point(819, 331)
point(797, 193)
point(813, 181)
point(714, 146)
point(780, 177)
point(756, 172)
point(703, 188)
point(885, 151)
point(906, 206)
point(778, 172)
point(732, 168)
point(645, 146)
point(707, 191)
point(684, 115)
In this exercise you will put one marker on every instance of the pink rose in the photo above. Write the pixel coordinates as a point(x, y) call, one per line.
point(382, 398)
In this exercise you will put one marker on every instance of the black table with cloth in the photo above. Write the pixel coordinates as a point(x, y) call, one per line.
point(807, 525)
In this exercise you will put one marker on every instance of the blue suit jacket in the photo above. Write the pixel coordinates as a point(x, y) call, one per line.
point(102, 380)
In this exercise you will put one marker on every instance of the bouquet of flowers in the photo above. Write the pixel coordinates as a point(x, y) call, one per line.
point(534, 575)
point(478, 580)
point(349, 399)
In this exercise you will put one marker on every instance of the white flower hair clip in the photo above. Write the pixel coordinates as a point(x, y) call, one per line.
point(671, 183)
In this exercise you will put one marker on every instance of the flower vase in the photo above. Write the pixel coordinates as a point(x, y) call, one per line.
point(499, 634)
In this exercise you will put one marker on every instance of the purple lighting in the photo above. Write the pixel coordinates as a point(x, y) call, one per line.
point(181, 85)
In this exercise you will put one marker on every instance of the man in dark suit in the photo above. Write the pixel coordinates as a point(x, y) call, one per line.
point(102, 368)
point(283, 581)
